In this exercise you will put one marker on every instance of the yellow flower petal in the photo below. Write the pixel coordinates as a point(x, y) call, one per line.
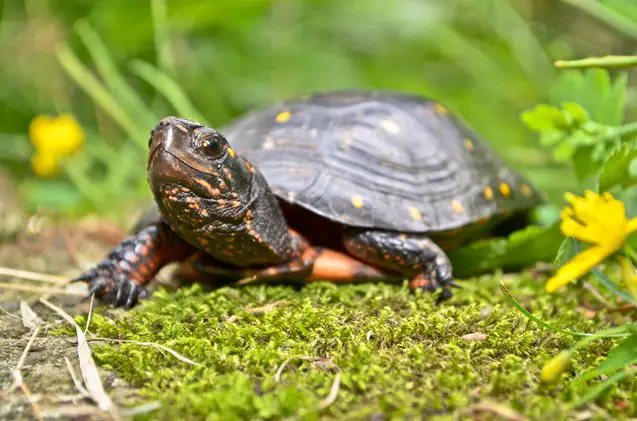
point(60, 135)
point(599, 220)
point(44, 164)
point(554, 368)
point(578, 266)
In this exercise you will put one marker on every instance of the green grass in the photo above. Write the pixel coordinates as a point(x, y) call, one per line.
point(397, 353)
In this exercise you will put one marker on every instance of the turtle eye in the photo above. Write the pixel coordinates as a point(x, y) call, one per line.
point(210, 144)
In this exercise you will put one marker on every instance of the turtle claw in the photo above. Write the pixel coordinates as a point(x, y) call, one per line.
point(445, 294)
point(453, 284)
point(112, 286)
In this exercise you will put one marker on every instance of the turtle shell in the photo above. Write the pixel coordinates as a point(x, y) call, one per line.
point(379, 159)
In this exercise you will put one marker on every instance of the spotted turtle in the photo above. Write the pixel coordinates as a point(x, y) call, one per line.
point(342, 186)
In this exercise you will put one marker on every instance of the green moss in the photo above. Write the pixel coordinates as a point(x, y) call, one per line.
point(398, 353)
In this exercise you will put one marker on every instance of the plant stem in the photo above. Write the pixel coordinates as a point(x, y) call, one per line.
point(628, 129)
point(606, 62)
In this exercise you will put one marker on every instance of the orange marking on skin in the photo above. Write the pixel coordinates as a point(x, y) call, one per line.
point(207, 187)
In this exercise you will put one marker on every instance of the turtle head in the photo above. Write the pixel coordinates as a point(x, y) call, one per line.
point(194, 173)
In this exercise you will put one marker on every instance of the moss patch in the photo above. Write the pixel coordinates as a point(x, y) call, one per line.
point(399, 354)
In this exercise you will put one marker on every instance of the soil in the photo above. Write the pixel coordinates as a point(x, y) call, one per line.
point(40, 245)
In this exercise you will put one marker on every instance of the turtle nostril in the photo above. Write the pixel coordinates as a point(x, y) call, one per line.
point(164, 122)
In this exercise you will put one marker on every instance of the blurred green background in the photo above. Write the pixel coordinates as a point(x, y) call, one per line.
point(118, 66)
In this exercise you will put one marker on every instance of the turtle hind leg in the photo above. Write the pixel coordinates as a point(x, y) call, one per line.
point(415, 256)
point(312, 264)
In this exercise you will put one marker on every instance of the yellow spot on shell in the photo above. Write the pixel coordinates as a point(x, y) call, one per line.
point(468, 144)
point(283, 116)
point(389, 126)
point(231, 152)
point(505, 190)
point(457, 206)
point(488, 193)
point(415, 214)
point(357, 201)
point(441, 109)
point(526, 190)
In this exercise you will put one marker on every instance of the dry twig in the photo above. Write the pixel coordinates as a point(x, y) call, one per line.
point(88, 368)
point(597, 294)
point(266, 308)
point(336, 384)
point(33, 276)
point(159, 347)
point(501, 411)
point(18, 380)
point(78, 384)
point(41, 290)
point(331, 398)
point(279, 371)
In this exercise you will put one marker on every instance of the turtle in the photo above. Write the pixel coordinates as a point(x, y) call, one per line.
point(337, 186)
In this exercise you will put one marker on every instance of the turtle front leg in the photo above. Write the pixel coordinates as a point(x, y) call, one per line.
point(120, 278)
point(415, 256)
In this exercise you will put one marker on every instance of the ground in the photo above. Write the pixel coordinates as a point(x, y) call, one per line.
point(368, 352)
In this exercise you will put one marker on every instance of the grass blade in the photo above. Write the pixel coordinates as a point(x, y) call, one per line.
point(165, 59)
point(603, 334)
point(105, 65)
point(165, 85)
point(99, 94)
point(600, 388)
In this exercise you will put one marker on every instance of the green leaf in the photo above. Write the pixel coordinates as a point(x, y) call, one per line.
point(522, 248)
point(617, 169)
point(584, 164)
point(543, 117)
point(595, 91)
point(576, 111)
point(551, 137)
point(621, 355)
point(566, 251)
point(564, 151)
point(598, 83)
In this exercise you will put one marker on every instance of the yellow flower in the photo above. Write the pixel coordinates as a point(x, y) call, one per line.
point(44, 164)
point(53, 137)
point(599, 220)
point(554, 368)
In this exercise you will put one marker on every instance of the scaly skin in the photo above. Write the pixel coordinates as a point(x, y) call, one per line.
point(416, 256)
point(121, 277)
